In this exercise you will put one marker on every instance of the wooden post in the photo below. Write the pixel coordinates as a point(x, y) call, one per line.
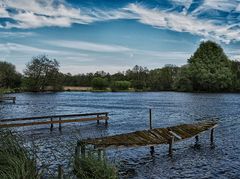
point(99, 154)
point(170, 152)
point(60, 124)
point(60, 172)
point(77, 150)
point(152, 150)
point(51, 124)
point(83, 150)
point(106, 121)
point(197, 139)
point(211, 136)
point(150, 118)
point(97, 120)
point(14, 100)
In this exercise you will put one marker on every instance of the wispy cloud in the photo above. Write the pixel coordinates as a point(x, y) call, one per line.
point(33, 14)
point(95, 47)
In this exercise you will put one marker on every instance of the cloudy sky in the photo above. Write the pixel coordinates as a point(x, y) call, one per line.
point(113, 35)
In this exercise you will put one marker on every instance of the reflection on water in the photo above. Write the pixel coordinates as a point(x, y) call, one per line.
point(129, 112)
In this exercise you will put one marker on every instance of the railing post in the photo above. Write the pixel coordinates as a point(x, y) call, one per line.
point(211, 135)
point(60, 172)
point(60, 124)
point(51, 124)
point(97, 120)
point(170, 150)
point(150, 118)
point(106, 121)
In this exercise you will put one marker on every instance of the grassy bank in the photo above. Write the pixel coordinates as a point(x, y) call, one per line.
point(91, 166)
point(15, 160)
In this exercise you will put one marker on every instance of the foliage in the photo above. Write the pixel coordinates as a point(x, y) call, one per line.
point(210, 68)
point(91, 167)
point(15, 160)
point(99, 83)
point(9, 77)
point(41, 72)
point(120, 85)
point(182, 81)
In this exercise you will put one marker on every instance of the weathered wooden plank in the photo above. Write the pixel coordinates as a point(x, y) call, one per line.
point(53, 116)
point(52, 122)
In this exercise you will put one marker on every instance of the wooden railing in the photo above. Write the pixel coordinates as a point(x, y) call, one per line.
point(54, 119)
point(7, 98)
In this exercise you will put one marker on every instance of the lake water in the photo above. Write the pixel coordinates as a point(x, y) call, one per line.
point(129, 112)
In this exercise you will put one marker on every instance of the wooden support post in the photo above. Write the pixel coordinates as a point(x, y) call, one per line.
point(150, 118)
point(97, 120)
point(77, 150)
point(99, 154)
point(51, 124)
point(197, 139)
point(14, 100)
point(106, 121)
point(60, 172)
point(170, 150)
point(211, 136)
point(83, 150)
point(152, 150)
point(60, 124)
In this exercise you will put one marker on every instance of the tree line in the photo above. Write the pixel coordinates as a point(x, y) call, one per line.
point(207, 70)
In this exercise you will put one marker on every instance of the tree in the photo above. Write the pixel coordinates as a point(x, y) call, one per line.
point(182, 81)
point(236, 75)
point(99, 83)
point(9, 77)
point(41, 72)
point(210, 68)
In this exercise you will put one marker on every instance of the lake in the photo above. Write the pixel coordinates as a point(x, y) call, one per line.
point(129, 112)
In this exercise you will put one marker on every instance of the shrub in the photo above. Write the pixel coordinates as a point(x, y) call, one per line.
point(120, 85)
point(99, 83)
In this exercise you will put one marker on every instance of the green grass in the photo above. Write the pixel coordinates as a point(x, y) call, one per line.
point(15, 160)
point(91, 167)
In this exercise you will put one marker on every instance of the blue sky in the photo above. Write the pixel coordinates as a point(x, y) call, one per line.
point(113, 35)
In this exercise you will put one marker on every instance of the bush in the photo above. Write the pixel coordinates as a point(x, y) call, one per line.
point(99, 83)
point(120, 85)
point(15, 160)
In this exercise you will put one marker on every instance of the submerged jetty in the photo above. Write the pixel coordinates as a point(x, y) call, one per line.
point(7, 98)
point(152, 137)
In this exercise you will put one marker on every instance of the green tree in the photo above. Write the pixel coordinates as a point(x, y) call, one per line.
point(9, 77)
point(182, 81)
point(236, 75)
point(40, 73)
point(99, 83)
point(210, 68)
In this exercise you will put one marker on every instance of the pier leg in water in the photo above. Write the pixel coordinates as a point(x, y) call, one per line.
point(60, 172)
point(152, 150)
point(60, 124)
point(106, 121)
point(197, 145)
point(51, 125)
point(211, 138)
point(170, 150)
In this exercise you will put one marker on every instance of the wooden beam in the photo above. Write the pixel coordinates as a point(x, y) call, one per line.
point(53, 122)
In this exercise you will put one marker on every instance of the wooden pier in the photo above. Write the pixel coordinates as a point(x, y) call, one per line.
point(55, 119)
point(7, 98)
point(153, 137)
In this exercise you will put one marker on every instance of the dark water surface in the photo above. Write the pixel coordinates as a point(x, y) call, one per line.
point(129, 112)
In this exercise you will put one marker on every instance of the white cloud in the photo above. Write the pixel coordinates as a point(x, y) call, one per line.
point(81, 45)
point(36, 13)
point(185, 23)
point(16, 34)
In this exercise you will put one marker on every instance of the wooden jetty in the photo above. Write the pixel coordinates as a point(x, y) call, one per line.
point(7, 98)
point(54, 119)
point(153, 137)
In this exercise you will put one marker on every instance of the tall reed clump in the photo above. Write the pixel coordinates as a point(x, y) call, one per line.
point(91, 166)
point(15, 160)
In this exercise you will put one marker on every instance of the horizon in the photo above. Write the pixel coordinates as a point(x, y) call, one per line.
point(115, 36)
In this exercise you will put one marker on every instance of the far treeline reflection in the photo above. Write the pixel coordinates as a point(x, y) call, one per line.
point(208, 70)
